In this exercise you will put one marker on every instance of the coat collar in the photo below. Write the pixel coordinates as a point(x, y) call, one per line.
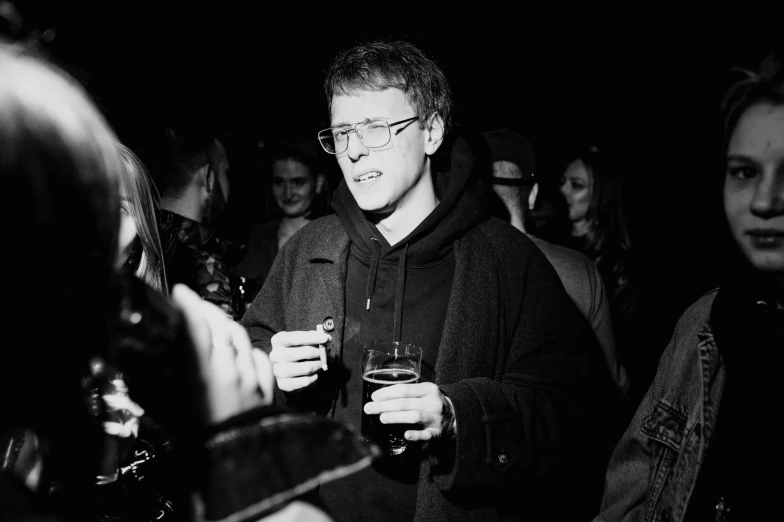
point(334, 246)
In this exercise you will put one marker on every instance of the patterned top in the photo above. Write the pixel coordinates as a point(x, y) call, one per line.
point(196, 261)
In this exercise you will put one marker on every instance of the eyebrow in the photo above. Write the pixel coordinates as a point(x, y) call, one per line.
point(366, 120)
point(742, 158)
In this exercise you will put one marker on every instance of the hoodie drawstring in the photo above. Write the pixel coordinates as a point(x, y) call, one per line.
point(371, 282)
point(399, 289)
point(401, 285)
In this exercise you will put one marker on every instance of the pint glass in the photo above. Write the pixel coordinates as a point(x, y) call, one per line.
point(385, 363)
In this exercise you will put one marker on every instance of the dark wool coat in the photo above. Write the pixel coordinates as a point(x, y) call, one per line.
point(512, 359)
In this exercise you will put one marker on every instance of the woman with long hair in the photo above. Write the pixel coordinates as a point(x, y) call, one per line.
point(593, 194)
point(140, 242)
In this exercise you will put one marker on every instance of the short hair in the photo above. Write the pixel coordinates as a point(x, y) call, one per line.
point(381, 65)
point(177, 154)
point(753, 87)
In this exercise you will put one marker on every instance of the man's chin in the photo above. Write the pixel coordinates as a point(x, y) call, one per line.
point(374, 215)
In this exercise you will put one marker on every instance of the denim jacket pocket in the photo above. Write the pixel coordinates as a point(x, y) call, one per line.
point(665, 428)
point(666, 425)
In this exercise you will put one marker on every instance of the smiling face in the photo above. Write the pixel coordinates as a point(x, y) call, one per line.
point(394, 179)
point(577, 187)
point(294, 187)
point(754, 186)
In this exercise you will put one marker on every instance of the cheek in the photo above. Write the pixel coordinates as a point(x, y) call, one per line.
point(306, 192)
point(127, 231)
point(736, 201)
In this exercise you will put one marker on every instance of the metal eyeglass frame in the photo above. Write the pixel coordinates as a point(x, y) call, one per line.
point(354, 127)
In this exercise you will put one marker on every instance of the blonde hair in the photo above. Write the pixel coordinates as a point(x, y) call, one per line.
point(144, 205)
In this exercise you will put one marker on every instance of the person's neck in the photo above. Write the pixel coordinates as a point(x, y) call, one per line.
point(518, 222)
point(186, 207)
point(411, 210)
point(581, 228)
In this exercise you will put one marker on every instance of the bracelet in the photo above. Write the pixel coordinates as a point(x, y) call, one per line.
point(449, 421)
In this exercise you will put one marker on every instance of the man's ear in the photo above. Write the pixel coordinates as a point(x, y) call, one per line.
point(321, 178)
point(206, 177)
point(434, 133)
point(532, 196)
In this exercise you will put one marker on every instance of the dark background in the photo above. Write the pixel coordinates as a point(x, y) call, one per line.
point(643, 85)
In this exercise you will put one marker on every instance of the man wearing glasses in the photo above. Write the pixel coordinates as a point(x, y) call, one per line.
point(410, 256)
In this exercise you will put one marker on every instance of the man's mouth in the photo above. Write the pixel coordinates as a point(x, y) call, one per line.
point(367, 177)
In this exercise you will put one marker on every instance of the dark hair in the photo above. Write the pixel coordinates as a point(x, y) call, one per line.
point(607, 241)
point(606, 207)
point(380, 65)
point(304, 153)
point(765, 86)
point(177, 154)
point(60, 168)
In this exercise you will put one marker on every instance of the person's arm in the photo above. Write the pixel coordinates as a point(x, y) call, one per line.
point(294, 355)
point(212, 281)
point(628, 474)
point(524, 424)
point(256, 458)
point(601, 321)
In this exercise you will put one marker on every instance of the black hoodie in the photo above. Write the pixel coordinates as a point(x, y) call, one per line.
point(398, 292)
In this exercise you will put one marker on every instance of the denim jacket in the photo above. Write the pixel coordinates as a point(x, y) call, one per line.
point(654, 467)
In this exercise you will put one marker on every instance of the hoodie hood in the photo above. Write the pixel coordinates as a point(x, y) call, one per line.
point(461, 193)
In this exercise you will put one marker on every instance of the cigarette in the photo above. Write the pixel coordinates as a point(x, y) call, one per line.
point(322, 350)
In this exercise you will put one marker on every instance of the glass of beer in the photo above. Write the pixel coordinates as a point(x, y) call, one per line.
point(385, 363)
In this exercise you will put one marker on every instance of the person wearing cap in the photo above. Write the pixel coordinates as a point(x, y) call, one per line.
point(513, 180)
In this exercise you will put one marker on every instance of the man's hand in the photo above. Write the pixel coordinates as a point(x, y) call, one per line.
point(418, 403)
point(295, 358)
point(233, 376)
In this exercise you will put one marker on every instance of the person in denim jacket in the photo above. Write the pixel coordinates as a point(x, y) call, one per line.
point(697, 447)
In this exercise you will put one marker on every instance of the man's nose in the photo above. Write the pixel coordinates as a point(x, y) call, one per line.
point(768, 199)
point(356, 149)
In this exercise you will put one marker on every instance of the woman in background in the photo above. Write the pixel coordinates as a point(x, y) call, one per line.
point(598, 225)
point(140, 244)
point(592, 193)
point(298, 193)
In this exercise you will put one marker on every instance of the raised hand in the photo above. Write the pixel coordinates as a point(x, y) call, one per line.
point(234, 377)
point(295, 358)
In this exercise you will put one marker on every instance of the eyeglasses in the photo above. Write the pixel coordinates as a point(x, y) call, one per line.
point(372, 134)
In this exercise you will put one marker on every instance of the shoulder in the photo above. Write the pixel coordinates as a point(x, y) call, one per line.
point(266, 229)
point(322, 238)
point(501, 237)
point(495, 245)
point(321, 230)
point(566, 258)
point(698, 313)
